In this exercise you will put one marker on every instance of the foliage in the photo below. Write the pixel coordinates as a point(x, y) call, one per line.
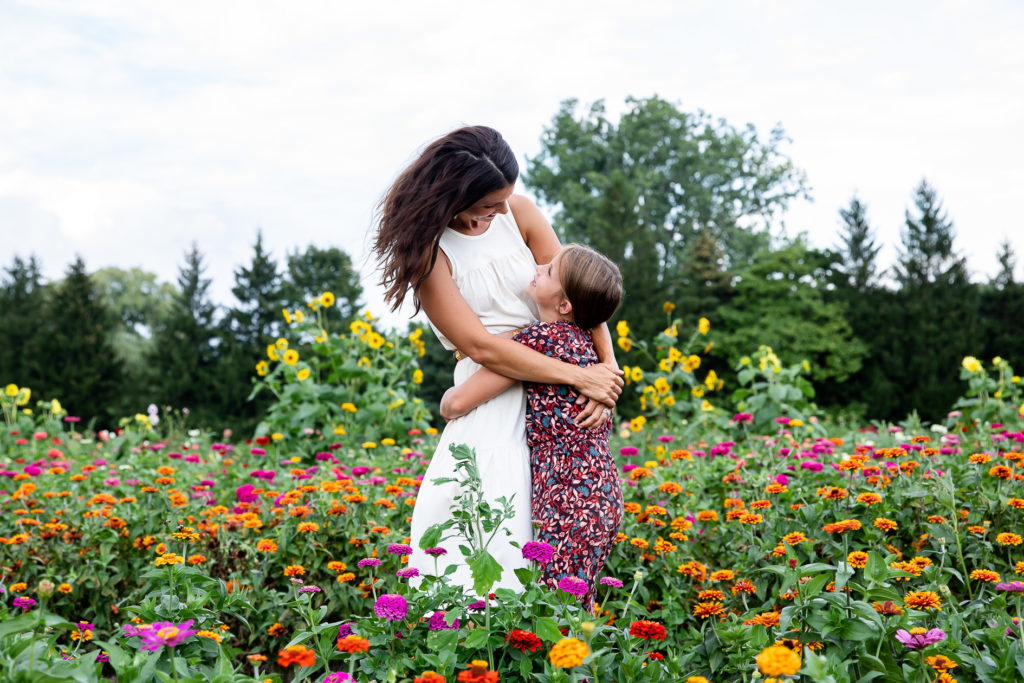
point(739, 535)
point(356, 382)
point(641, 189)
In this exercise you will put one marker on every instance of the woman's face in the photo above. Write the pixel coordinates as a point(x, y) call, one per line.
point(479, 216)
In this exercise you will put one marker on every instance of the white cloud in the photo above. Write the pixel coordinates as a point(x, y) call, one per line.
point(133, 129)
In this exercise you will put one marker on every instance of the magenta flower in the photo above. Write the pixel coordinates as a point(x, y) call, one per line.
point(400, 549)
point(609, 581)
point(245, 494)
point(337, 677)
point(346, 629)
point(24, 603)
point(360, 470)
point(916, 641)
point(538, 551)
point(1012, 586)
point(629, 450)
point(166, 634)
point(436, 552)
point(437, 622)
point(368, 562)
point(407, 573)
point(740, 418)
point(573, 585)
point(391, 606)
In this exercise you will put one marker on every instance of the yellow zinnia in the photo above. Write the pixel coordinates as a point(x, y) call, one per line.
point(622, 327)
point(303, 374)
point(778, 660)
point(971, 364)
point(703, 325)
point(262, 368)
point(11, 390)
point(568, 652)
point(291, 357)
point(374, 340)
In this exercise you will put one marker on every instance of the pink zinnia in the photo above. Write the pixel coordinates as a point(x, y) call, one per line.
point(166, 634)
point(916, 641)
point(538, 551)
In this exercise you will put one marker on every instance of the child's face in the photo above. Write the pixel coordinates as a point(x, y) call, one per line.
point(546, 289)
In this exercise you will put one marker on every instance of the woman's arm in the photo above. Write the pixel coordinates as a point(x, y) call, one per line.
point(481, 387)
point(540, 237)
point(444, 305)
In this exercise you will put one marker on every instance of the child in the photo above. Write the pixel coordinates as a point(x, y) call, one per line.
point(576, 497)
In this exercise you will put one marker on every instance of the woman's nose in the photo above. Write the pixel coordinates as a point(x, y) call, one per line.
point(503, 208)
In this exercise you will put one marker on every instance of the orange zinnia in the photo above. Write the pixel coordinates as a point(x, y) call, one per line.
point(296, 654)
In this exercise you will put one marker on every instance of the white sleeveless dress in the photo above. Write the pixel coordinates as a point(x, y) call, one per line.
point(492, 271)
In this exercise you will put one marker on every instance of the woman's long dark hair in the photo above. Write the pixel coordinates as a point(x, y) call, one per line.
point(450, 175)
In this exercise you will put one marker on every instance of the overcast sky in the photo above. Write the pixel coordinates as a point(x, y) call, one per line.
point(128, 130)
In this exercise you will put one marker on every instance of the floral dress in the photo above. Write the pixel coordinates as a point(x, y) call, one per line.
point(576, 496)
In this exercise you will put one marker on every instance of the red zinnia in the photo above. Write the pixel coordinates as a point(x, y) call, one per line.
point(524, 641)
point(647, 629)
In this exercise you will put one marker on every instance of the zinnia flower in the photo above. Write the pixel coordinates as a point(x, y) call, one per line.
point(478, 673)
point(164, 633)
point(296, 654)
point(1013, 586)
point(391, 606)
point(986, 575)
point(438, 622)
point(918, 638)
point(524, 641)
point(568, 652)
point(573, 585)
point(645, 628)
point(923, 600)
point(353, 643)
point(538, 551)
point(778, 660)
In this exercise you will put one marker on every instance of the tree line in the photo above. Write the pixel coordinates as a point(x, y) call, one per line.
point(112, 342)
point(688, 206)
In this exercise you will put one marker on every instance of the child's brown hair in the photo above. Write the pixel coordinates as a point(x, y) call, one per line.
point(591, 283)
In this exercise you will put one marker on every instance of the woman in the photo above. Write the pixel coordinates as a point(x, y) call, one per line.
point(452, 233)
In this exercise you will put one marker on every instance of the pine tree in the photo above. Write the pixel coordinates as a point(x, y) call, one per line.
point(1007, 264)
point(21, 299)
point(76, 357)
point(314, 271)
point(183, 358)
point(859, 248)
point(939, 322)
point(927, 256)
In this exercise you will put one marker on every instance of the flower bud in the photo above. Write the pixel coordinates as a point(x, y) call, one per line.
point(46, 588)
point(638, 576)
point(588, 628)
point(944, 589)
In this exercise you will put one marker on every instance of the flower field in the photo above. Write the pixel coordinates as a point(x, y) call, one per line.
point(761, 540)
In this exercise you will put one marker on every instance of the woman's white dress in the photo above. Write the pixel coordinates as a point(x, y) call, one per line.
point(492, 271)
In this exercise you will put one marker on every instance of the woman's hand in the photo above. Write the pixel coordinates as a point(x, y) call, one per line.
point(593, 414)
point(601, 382)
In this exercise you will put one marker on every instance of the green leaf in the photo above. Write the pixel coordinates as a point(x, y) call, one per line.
point(431, 537)
point(477, 638)
point(486, 572)
point(547, 629)
point(876, 571)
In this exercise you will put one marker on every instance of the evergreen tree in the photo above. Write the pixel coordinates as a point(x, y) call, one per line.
point(927, 256)
point(1007, 264)
point(939, 322)
point(183, 356)
point(315, 271)
point(244, 334)
point(859, 249)
point(75, 353)
point(256, 319)
point(21, 301)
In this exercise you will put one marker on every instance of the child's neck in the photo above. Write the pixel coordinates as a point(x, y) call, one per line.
point(550, 315)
